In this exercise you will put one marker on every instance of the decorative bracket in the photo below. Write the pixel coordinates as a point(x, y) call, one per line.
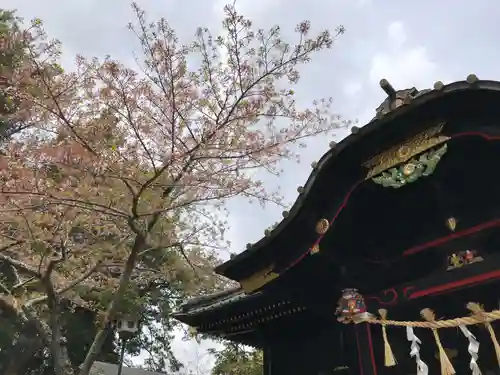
point(412, 170)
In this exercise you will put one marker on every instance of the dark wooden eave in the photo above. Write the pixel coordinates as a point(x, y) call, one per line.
point(210, 302)
point(234, 310)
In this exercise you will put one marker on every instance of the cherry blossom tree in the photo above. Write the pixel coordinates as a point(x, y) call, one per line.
point(119, 188)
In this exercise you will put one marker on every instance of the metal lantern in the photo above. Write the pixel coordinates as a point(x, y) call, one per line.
point(351, 307)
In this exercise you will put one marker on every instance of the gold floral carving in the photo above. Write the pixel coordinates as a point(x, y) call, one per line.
point(405, 151)
point(258, 279)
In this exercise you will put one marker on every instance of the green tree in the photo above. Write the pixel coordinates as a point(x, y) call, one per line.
point(234, 359)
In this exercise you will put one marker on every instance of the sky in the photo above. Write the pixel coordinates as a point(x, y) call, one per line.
point(410, 43)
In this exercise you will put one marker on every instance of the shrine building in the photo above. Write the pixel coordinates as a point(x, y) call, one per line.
point(389, 260)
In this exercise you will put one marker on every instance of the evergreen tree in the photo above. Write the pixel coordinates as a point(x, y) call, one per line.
point(237, 360)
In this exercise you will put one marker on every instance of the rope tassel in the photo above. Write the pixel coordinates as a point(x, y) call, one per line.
point(479, 312)
point(390, 360)
point(446, 366)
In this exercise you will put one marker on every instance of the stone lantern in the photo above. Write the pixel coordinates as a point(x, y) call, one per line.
point(127, 326)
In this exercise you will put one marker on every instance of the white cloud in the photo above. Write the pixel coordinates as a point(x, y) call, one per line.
point(352, 88)
point(402, 64)
point(396, 33)
point(363, 3)
point(249, 8)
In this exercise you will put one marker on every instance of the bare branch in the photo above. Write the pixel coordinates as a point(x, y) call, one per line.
point(21, 266)
point(66, 288)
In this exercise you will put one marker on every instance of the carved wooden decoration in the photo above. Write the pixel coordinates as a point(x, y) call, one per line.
point(405, 151)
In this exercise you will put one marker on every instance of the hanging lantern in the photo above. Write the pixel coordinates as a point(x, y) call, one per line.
point(351, 307)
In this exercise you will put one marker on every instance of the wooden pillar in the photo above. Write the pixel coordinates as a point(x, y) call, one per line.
point(267, 360)
point(366, 356)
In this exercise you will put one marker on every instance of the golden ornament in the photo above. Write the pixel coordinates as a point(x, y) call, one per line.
point(408, 169)
point(322, 226)
point(315, 249)
point(451, 223)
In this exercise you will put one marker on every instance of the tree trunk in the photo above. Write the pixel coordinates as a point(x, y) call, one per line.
point(58, 350)
point(100, 337)
point(60, 358)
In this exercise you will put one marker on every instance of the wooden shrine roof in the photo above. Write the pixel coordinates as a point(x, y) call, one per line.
point(379, 133)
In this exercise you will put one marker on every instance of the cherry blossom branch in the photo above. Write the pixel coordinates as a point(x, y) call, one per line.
point(66, 288)
point(58, 112)
point(71, 202)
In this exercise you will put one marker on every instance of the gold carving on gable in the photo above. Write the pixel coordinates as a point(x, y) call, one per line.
point(405, 151)
point(258, 279)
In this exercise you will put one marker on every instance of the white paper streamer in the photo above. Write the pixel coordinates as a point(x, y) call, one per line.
point(422, 368)
point(473, 350)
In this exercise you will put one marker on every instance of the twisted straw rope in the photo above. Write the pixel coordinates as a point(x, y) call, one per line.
point(479, 318)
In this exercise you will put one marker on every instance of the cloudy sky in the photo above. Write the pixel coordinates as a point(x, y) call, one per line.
point(410, 43)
